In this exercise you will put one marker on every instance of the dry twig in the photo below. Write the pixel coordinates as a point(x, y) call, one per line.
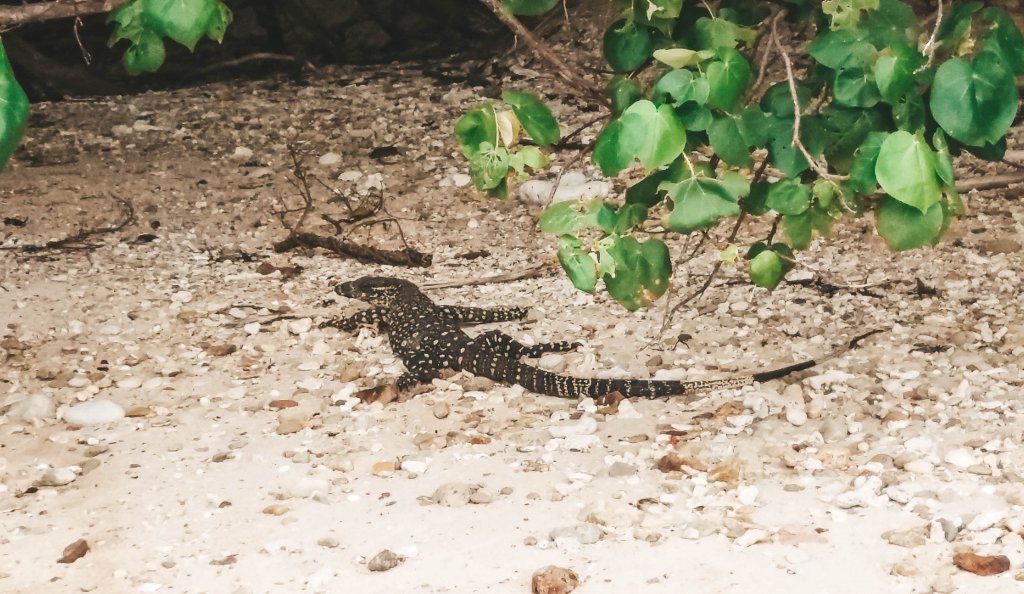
point(529, 272)
point(76, 241)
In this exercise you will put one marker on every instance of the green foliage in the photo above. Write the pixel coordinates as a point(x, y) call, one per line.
point(13, 109)
point(883, 108)
point(535, 117)
point(528, 7)
point(145, 24)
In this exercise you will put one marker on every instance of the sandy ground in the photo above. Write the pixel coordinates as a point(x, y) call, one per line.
point(866, 474)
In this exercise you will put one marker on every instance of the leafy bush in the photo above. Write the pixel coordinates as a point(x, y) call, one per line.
point(872, 126)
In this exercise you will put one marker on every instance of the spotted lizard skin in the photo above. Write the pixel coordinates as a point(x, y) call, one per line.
point(428, 337)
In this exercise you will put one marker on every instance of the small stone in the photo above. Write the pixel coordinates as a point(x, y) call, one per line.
point(833, 430)
point(136, 412)
point(290, 425)
point(530, 541)
point(300, 326)
point(919, 466)
point(961, 458)
point(441, 410)
point(912, 537)
point(453, 494)
point(1000, 245)
point(181, 296)
point(620, 469)
point(584, 533)
point(796, 415)
point(481, 497)
point(384, 468)
point(751, 537)
point(985, 520)
point(328, 542)
point(384, 560)
point(93, 412)
point(414, 465)
point(981, 564)
point(281, 404)
point(74, 551)
point(328, 160)
point(241, 154)
point(276, 509)
point(57, 477)
point(220, 350)
point(553, 580)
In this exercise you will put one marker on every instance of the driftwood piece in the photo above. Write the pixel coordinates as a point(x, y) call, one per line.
point(403, 257)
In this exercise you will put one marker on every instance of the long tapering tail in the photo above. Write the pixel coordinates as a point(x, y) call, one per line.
point(565, 386)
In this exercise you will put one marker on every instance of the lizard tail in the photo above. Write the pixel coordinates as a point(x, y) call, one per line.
point(566, 386)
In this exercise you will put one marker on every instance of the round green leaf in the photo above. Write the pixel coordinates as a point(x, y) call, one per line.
point(855, 87)
point(528, 7)
point(476, 127)
point(146, 55)
point(184, 21)
point(13, 109)
point(577, 263)
point(636, 273)
point(535, 117)
point(624, 92)
point(653, 135)
point(728, 142)
point(728, 78)
point(489, 166)
point(894, 71)
point(681, 86)
point(905, 228)
point(788, 197)
point(906, 170)
point(627, 46)
point(974, 103)
point(699, 203)
point(865, 159)
point(766, 269)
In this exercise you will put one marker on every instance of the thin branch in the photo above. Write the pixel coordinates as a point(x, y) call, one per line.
point(821, 171)
point(529, 272)
point(989, 182)
point(565, 72)
point(15, 16)
point(929, 48)
point(71, 242)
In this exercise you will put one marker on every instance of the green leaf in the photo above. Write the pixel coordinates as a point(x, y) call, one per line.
point(753, 127)
point(892, 23)
point(845, 129)
point(627, 46)
point(638, 272)
point(842, 49)
point(695, 118)
point(528, 7)
point(756, 202)
point(718, 33)
point(535, 117)
point(624, 92)
point(957, 23)
point(974, 103)
point(218, 23)
point(728, 78)
point(766, 270)
point(13, 109)
point(476, 127)
point(905, 228)
point(728, 142)
point(855, 87)
point(680, 86)
point(653, 135)
point(577, 263)
point(737, 184)
point(799, 229)
point(788, 197)
point(943, 160)
point(184, 21)
point(629, 216)
point(909, 113)
point(527, 156)
point(778, 100)
point(678, 57)
point(784, 155)
point(1004, 39)
point(862, 173)
point(699, 203)
point(571, 215)
point(129, 23)
point(844, 14)
point(647, 191)
point(489, 166)
point(894, 71)
point(145, 55)
point(906, 170)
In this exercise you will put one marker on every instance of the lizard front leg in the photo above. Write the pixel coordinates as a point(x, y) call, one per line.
point(479, 315)
point(366, 317)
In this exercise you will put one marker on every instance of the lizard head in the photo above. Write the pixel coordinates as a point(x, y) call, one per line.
point(375, 290)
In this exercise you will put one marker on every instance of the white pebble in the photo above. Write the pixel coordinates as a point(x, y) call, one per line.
point(93, 412)
point(919, 466)
point(57, 477)
point(300, 326)
point(584, 426)
point(328, 159)
point(252, 328)
point(181, 296)
point(31, 408)
point(751, 537)
point(961, 457)
point(460, 180)
point(746, 494)
point(796, 415)
point(242, 153)
point(985, 520)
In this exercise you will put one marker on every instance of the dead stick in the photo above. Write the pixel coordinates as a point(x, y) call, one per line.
point(544, 52)
point(530, 272)
point(991, 182)
point(14, 16)
point(404, 257)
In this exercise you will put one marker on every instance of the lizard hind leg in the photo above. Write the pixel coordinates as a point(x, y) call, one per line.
point(500, 342)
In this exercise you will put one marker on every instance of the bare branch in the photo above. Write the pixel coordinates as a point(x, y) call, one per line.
point(15, 16)
point(564, 71)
